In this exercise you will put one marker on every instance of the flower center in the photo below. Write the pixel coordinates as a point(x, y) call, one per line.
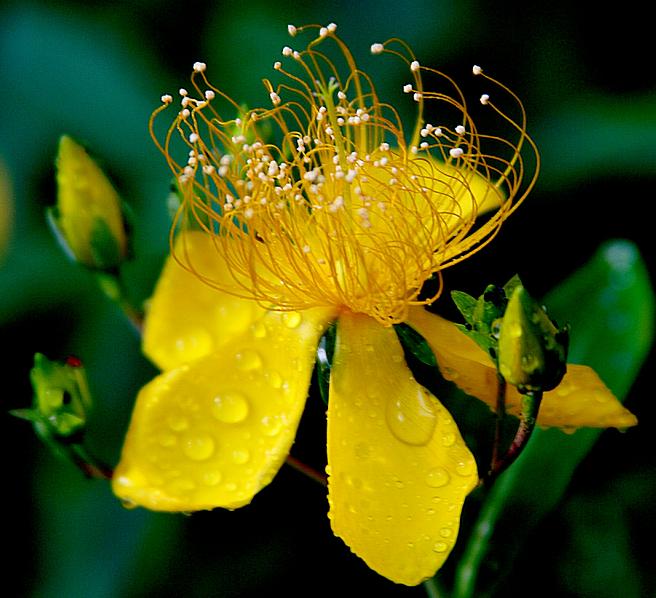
point(320, 200)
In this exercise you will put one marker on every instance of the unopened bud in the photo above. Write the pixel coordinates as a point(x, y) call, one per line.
point(532, 350)
point(88, 217)
point(61, 399)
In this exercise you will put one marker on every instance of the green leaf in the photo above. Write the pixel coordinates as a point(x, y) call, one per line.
point(325, 352)
point(612, 330)
point(413, 342)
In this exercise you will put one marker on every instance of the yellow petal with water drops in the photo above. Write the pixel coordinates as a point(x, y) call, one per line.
point(581, 399)
point(186, 318)
point(213, 432)
point(399, 469)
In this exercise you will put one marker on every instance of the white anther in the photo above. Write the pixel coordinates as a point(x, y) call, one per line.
point(423, 145)
point(414, 66)
point(296, 55)
point(456, 152)
point(417, 97)
point(384, 160)
point(329, 131)
point(341, 95)
point(332, 27)
point(208, 169)
point(384, 147)
point(377, 48)
point(460, 130)
point(323, 32)
point(307, 249)
point(350, 176)
point(393, 181)
point(185, 101)
point(275, 98)
point(223, 171)
point(477, 70)
point(485, 98)
point(424, 132)
point(277, 65)
point(407, 88)
point(183, 92)
point(193, 138)
point(209, 94)
point(166, 99)
point(199, 67)
point(287, 51)
point(292, 30)
point(248, 213)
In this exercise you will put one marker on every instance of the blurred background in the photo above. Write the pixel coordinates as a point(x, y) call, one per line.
point(95, 70)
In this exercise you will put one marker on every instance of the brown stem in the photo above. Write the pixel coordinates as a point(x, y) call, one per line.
point(305, 469)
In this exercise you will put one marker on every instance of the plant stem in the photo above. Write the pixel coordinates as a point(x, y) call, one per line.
point(434, 589)
point(305, 469)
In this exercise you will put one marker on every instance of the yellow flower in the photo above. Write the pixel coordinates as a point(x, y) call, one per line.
point(343, 220)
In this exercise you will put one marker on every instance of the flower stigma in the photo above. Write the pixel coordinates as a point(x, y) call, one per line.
point(324, 198)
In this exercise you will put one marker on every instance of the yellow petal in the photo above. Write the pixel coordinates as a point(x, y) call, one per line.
point(186, 318)
point(213, 432)
point(581, 399)
point(399, 469)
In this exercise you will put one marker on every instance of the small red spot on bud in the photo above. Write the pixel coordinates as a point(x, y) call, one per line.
point(73, 361)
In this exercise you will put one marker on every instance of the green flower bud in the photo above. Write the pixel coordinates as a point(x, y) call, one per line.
point(88, 218)
point(532, 350)
point(61, 399)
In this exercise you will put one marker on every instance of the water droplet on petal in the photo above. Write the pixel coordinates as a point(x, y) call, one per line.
point(437, 477)
point(195, 344)
point(198, 447)
point(167, 440)
point(128, 504)
point(412, 418)
point(177, 422)
point(240, 456)
point(230, 407)
point(446, 532)
point(275, 379)
point(291, 319)
point(259, 329)
point(440, 547)
point(448, 439)
point(465, 468)
point(212, 478)
point(248, 360)
point(271, 425)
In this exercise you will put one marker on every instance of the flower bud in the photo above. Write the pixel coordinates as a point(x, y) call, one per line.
point(532, 351)
point(88, 217)
point(61, 399)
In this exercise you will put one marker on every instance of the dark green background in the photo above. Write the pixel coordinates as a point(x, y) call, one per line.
point(95, 70)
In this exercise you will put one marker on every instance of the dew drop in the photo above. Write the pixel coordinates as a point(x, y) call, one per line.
point(212, 478)
point(437, 477)
point(177, 422)
point(440, 547)
point(291, 319)
point(230, 407)
point(274, 379)
point(128, 504)
point(231, 486)
point(446, 532)
point(248, 360)
point(259, 329)
point(465, 468)
point(167, 440)
point(198, 447)
point(240, 456)
point(412, 418)
point(271, 425)
point(448, 439)
point(195, 344)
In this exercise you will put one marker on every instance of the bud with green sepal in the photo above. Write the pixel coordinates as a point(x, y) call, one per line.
point(532, 350)
point(89, 219)
point(527, 347)
point(60, 409)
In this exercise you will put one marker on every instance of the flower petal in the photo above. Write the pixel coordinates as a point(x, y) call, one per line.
point(212, 433)
point(581, 399)
point(399, 469)
point(187, 318)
